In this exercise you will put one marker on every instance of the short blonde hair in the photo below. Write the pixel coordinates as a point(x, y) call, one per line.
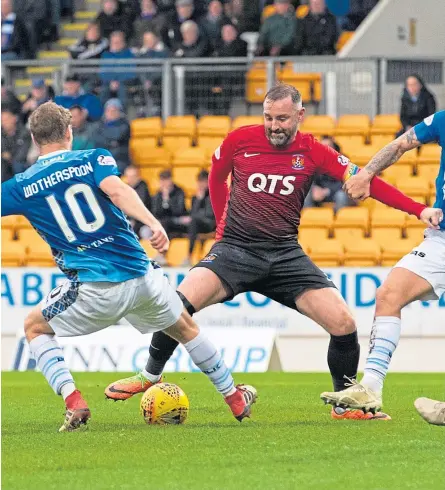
point(49, 123)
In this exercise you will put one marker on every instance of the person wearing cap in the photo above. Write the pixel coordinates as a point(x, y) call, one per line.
point(73, 94)
point(171, 34)
point(39, 94)
point(277, 34)
point(113, 133)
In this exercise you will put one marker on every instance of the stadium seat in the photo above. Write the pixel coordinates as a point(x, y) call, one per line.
point(344, 37)
point(9, 223)
point(216, 126)
point(309, 236)
point(29, 238)
point(352, 217)
point(186, 178)
point(178, 251)
point(353, 124)
point(388, 218)
point(7, 235)
point(147, 128)
point(179, 132)
point(383, 236)
point(13, 254)
point(429, 155)
point(39, 255)
point(174, 143)
point(398, 171)
point(414, 228)
point(151, 176)
point(190, 157)
point(386, 124)
point(353, 144)
point(417, 188)
point(429, 172)
point(327, 253)
point(53, 55)
point(246, 121)
point(394, 250)
point(304, 82)
point(149, 250)
point(268, 11)
point(317, 218)
point(209, 144)
point(362, 253)
point(318, 125)
point(360, 155)
point(409, 158)
point(23, 223)
point(345, 235)
point(147, 157)
point(256, 84)
point(381, 140)
point(302, 11)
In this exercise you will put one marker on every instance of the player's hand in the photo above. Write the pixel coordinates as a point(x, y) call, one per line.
point(159, 238)
point(358, 187)
point(432, 217)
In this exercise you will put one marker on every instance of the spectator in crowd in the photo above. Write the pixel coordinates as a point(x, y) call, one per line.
point(213, 22)
point(325, 188)
point(357, 11)
point(115, 84)
point(152, 48)
point(148, 20)
point(37, 19)
point(10, 100)
point(171, 34)
point(277, 34)
point(73, 94)
point(16, 141)
point(245, 14)
point(83, 131)
point(40, 94)
point(194, 43)
point(15, 39)
point(113, 133)
point(91, 46)
point(112, 18)
point(417, 103)
point(317, 33)
point(133, 178)
point(231, 45)
point(201, 219)
point(168, 206)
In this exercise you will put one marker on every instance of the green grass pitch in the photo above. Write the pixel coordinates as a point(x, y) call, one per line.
point(290, 443)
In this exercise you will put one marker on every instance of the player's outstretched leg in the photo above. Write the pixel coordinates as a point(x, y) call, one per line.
point(50, 360)
point(400, 288)
point(204, 354)
point(432, 411)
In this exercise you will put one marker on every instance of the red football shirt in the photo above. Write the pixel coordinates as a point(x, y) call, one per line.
point(269, 185)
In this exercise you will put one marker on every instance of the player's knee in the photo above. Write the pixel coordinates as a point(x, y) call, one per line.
point(184, 330)
point(387, 297)
point(343, 323)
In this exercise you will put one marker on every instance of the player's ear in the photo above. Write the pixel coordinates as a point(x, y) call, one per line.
point(301, 113)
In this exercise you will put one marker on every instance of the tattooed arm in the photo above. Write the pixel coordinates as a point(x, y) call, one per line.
point(392, 152)
point(358, 186)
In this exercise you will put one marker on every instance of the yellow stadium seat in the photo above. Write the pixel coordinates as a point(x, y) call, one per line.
point(29, 238)
point(256, 84)
point(312, 235)
point(345, 235)
point(302, 11)
point(388, 124)
point(240, 121)
point(303, 82)
point(352, 217)
point(381, 140)
point(7, 235)
point(393, 251)
point(344, 37)
point(9, 223)
point(23, 223)
point(327, 253)
point(352, 144)
point(209, 144)
point(361, 155)
point(388, 218)
point(417, 188)
point(305, 245)
point(362, 253)
point(147, 127)
point(151, 176)
point(185, 177)
point(144, 156)
point(317, 218)
point(174, 143)
point(396, 172)
point(350, 124)
point(13, 254)
point(384, 236)
point(39, 255)
point(319, 125)
point(429, 172)
point(180, 126)
point(268, 11)
point(429, 155)
point(416, 233)
point(190, 157)
point(149, 250)
point(178, 251)
point(216, 126)
point(410, 157)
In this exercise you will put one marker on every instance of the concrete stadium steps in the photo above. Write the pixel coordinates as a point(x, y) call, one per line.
point(35, 71)
point(53, 55)
point(83, 15)
point(76, 29)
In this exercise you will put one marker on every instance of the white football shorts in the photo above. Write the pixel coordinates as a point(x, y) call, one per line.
point(148, 302)
point(428, 261)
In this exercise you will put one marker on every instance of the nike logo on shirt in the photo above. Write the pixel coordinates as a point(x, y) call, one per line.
point(247, 155)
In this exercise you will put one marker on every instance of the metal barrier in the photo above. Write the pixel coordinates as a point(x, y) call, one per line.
point(236, 86)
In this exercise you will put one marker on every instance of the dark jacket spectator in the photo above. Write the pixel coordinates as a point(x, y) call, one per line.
point(113, 133)
point(317, 33)
point(74, 95)
point(10, 100)
point(245, 15)
point(91, 46)
point(358, 10)
point(417, 102)
point(148, 20)
point(40, 94)
point(15, 39)
point(171, 34)
point(113, 18)
point(16, 141)
point(212, 23)
point(133, 178)
point(194, 43)
point(277, 34)
point(83, 131)
point(152, 48)
point(231, 44)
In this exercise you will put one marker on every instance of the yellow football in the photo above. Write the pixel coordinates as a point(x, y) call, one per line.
point(164, 403)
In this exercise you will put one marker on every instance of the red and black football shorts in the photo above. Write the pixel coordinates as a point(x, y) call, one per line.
point(281, 271)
